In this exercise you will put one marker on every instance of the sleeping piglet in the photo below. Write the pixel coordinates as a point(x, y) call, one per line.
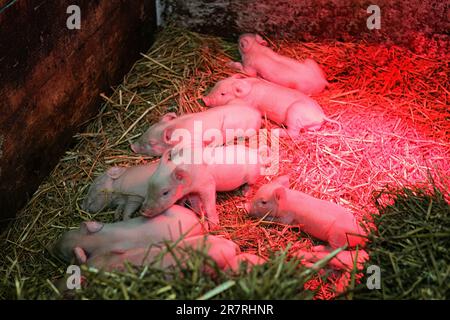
point(223, 168)
point(321, 219)
point(258, 59)
point(159, 137)
point(220, 250)
point(282, 105)
point(94, 238)
point(121, 188)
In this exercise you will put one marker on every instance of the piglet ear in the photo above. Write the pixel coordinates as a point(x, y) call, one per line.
point(115, 172)
point(168, 117)
point(280, 194)
point(181, 176)
point(261, 41)
point(283, 180)
point(88, 227)
point(244, 43)
point(241, 88)
point(167, 135)
point(165, 158)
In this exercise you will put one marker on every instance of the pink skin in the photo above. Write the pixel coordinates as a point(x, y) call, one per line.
point(173, 181)
point(244, 258)
point(258, 59)
point(344, 260)
point(282, 105)
point(158, 138)
point(219, 249)
point(121, 188)
point(321, 219)
point(94, 238)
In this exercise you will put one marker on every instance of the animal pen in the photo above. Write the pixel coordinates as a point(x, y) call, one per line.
point(388, 164)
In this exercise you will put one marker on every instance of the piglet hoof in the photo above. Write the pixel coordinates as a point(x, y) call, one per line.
point(118, 216)
point(235, 65)
point(126, 216)
point(362, 258)
point(205, 226)
point(245, 190)
point(213, 225)
point(303, 256)
point(283, 133)
point(80, 255)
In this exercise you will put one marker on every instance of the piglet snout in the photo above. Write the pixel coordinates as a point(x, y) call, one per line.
point(248, 207)
point(148, 213)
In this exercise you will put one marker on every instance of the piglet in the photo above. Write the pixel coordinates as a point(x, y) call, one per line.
point(220, 250)
point(245, 258)
point(239, 120)
point(344, 260)
point(121, 188)
point(94, 238)
point(200, 173)
point(258, 59)
point(282, 105)
point(321, 219)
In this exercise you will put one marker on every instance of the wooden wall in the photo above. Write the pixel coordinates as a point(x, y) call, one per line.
point(51, 78)
point(420, 25)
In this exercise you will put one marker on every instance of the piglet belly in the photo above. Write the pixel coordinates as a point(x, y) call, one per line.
point(229, 176)
point(274, 109)
point(315, 223)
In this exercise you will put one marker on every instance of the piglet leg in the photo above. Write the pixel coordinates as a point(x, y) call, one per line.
point(131, 207)
point(246, 190)
point(320, 248)
point(208, 200)
point(118, 213)
point(293, 123)
point(236, 65)
point(344, 260)
point(249, 71)
point(195, 204)
point(80, 255)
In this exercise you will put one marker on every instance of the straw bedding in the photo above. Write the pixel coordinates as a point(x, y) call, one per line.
point(392, 105)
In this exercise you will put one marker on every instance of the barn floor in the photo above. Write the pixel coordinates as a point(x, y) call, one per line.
point(392, 104)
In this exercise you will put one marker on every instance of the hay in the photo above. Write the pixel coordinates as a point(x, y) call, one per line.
point(392, 104)
point(277, 280)
point(411, 246)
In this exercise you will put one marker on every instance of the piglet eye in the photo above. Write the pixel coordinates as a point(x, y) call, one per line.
point(222, 94)
point(165, 193)
point(263, 202)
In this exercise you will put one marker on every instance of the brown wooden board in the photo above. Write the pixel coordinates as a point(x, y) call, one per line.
point(51, 78)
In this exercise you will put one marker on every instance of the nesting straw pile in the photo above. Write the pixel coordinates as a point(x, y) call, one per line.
point(411, 246)
point(392, 105)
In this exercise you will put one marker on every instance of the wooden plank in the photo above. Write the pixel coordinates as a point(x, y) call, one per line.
point(51, 78)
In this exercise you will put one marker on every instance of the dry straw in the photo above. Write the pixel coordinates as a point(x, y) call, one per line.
point(391, 103)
